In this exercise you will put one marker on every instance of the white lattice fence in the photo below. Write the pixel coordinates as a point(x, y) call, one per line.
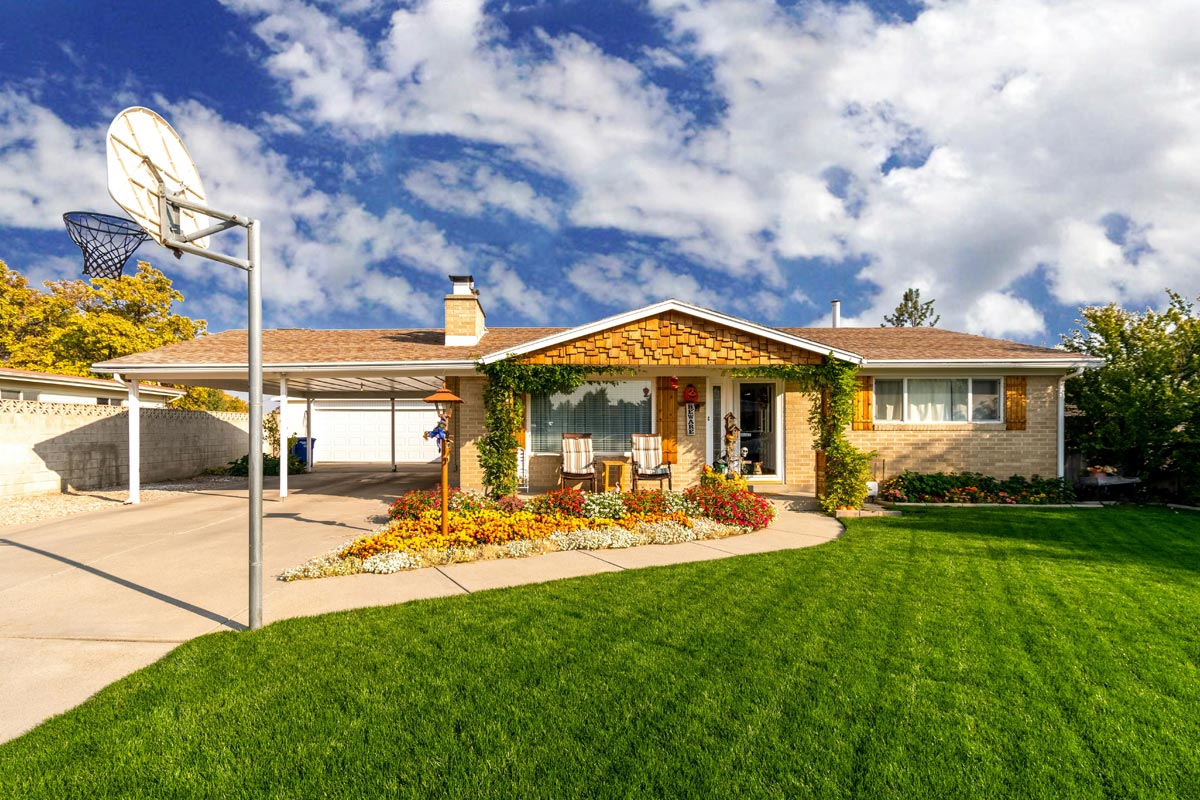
point(54, 447)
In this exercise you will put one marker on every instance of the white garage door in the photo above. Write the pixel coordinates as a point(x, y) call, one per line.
point(358, 430)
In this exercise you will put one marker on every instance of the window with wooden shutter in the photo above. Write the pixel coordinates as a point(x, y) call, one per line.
point(864, 417)
point(667, 418)
point(1014, 403)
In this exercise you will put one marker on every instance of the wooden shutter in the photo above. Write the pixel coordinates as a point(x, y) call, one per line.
point(864, 415)
point(1014, 403)
point(668, 412)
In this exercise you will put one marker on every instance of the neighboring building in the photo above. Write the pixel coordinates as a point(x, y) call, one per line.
point(930, 399)
point(21, 384)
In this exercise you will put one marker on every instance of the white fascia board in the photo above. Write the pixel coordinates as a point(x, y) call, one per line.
point(81, 382)
point(1056, 364)
point(349, 367)
point(672, 305)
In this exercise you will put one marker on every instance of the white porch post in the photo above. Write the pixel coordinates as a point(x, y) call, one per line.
point(393, 434)
point(135, 444)
point(308, 451)
point(283, 437)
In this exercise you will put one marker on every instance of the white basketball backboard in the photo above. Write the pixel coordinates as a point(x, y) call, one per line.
point(143, 149)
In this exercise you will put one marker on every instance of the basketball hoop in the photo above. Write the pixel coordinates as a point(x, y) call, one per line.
point(107, 242)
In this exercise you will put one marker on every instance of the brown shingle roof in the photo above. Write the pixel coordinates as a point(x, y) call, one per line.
point(922, 344)
point(306, 346)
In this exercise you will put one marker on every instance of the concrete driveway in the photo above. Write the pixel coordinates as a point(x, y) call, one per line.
point(85, 600)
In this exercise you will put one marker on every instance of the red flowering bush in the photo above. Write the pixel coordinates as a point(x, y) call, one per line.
point(510, 503)
point(652, 501)
point(413, 504)
point(567, 502)
point(732, 506)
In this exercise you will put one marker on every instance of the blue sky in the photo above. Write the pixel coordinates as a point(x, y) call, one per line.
point(1013, 160)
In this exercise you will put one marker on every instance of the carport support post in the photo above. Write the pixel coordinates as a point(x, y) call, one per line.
point(393, 434)
point(308, 451)
point(135, 443)
point(283, 437)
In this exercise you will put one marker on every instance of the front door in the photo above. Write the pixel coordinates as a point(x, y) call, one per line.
point(756, 415)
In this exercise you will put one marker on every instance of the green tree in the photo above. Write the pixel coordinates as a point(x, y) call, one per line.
point(74, 324)
point(29, 322)
point(912, 312)
point(110, 318)
point(203, 398)
point(1141, 410)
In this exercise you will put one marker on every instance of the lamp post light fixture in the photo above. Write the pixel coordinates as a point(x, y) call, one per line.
point(444, 401)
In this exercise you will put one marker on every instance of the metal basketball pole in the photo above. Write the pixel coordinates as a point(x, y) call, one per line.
point(254, 322)
point(253, 268)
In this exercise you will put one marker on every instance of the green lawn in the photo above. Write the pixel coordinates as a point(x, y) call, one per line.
point(947, 653)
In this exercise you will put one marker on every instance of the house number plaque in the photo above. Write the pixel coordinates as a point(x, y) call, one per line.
point(691, 419)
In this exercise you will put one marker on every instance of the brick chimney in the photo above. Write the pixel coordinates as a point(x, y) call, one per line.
point(464, 316)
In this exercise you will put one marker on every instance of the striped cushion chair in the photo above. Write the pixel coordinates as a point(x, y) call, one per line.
point(578, 463)
point(648, 460)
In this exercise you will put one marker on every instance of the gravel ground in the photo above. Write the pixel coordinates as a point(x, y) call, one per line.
point(38, 508)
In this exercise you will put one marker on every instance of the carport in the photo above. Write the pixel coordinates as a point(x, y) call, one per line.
point(290, 371)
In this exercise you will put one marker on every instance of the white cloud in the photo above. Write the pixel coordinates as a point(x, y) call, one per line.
point(44, 166)
point(503, 284)
point(1003, 315)
point(471, 190)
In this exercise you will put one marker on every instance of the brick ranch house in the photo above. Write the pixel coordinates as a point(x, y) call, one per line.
point(929, 399)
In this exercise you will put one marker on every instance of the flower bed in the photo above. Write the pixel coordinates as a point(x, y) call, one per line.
point(971, 487)
point(565, 519)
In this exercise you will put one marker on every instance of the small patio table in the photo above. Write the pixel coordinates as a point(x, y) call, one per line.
point(622, 480)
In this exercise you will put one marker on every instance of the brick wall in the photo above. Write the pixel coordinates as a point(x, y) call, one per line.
point(466, 429)
point(464, 315)
point(56, 447)
point(979, 447)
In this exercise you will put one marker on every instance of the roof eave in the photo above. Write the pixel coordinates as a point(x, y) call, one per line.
point(998, 363)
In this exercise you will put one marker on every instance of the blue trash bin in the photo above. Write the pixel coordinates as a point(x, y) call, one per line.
point(300, 448)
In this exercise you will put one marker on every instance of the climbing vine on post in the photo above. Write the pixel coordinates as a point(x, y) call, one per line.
point(832, 386)
point(504, 413)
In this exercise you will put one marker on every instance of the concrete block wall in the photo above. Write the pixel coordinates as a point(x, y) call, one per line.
point(57, 447)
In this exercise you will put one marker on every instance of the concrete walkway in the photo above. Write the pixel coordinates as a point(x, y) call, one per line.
point(88, 599)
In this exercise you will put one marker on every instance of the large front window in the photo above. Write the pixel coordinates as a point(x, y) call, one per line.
point(937, 399)
point(610, 411)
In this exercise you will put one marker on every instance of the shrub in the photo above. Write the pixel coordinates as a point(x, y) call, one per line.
point(270, 466)
point(566, 501)
point(412, 505)
point(847, 471)
point(732, 506)
point(510, 503)
point(645, 502)
point(971, 487)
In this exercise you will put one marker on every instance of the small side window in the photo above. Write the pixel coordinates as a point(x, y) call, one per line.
point(985, 400)
point(9, 394)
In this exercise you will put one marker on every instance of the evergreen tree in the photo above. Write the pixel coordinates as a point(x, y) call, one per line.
point(912, 312)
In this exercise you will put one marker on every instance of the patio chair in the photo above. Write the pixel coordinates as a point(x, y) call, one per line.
point(647, 459)
point(578, 463)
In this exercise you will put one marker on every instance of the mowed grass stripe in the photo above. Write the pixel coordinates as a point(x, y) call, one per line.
point(946, 653)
